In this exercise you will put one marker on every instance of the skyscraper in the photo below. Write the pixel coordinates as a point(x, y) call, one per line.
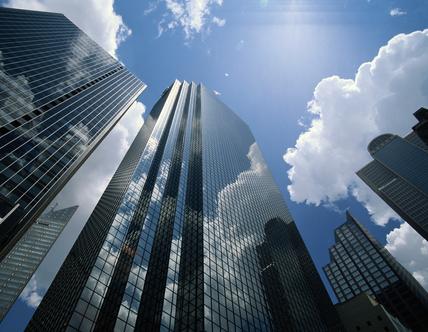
point(22, 261)
point(399, 174)
point(359, 264)
point(172, 243)
point(60, 94)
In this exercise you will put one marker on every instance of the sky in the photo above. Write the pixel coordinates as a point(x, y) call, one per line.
point(314, 80)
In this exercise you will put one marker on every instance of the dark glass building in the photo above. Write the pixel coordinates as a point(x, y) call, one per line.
point(172, 243)
point(399, 173)
point(293, 286)
point(362, 313)
point(359, 264)
point(60, 94)
point(22, 261)
point(421, 128)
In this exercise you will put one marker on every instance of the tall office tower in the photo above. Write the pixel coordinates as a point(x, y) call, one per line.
point(399, 174)
point(60, 94)
point(172, 243)
point(359, 264)
point(22, 261)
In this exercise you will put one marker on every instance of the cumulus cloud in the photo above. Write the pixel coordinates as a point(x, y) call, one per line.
point(397, 12)
point(97, 18)
point(192, 16)
point(30, 295)
point(411, 250)
point(348, 113)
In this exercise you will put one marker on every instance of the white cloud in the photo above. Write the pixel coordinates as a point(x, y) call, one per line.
point(217, 93)
point(411, 250)
point(30, 295)
point(301, 122)
point(397, 12)
point(348, 113)
point(192, 16)
point(219, 21)
point(226, 74)
point(151, 8)
point(380, 212)
point(240, 45)
point(95, 17)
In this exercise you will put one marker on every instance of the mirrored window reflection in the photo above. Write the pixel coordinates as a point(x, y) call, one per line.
point(59, 91)
point(211, 271)
point(99, 280)
point(132, 297)
point(240, 197)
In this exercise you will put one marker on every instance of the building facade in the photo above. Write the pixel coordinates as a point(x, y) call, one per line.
point(399, 173)
point(22, 261)
point(293, 286)
point(60, 94)
point(363, 313)
point(172, 243)
point(359, 264)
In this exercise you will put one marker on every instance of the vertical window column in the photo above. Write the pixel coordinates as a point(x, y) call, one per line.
point(110, 308)
point(190, 301)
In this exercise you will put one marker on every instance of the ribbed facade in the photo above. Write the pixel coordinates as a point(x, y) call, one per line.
point(172, 243)
point(22, 261)
point(399, 175)
point(60, 94)
point(359, 264)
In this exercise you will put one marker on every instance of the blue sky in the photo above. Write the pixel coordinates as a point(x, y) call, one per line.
point(266, 58)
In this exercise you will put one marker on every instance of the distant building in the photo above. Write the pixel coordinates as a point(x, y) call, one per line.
point(60, 95)
point(172, 243)
point(362, 313)
point(359, 264)
point(22, 261)
point(399, 173)
point(421, 128)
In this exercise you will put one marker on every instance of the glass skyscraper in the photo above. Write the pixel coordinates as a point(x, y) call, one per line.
point(60, 94)
point(399, 173)
point(359, 264)
point(22, 261)
point(172, 244)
